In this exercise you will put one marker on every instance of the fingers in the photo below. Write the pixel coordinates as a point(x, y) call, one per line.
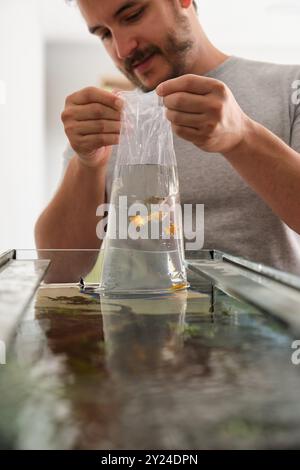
point(187, 102)
point(98, 141)
point(93, 112)
point(179, 118)
point(187, 83)
point(89, 144)
point(98, 127)
point(92, 121)
point(186, 133)
point(95, 95)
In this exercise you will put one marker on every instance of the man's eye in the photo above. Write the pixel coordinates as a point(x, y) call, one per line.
point(135, 16)
point(105, 35)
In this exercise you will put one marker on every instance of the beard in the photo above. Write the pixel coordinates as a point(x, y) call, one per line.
point(175, 51)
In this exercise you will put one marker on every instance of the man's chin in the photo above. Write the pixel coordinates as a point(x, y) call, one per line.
point(149, 81)
point(149, 85)
point(145, 84)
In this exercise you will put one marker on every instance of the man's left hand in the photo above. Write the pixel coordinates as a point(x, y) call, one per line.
point(203, 111)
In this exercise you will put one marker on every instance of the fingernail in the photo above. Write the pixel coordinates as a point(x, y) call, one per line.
point(119, 104)
point(159, 90)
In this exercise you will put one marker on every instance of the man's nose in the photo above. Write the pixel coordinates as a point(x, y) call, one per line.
point(125, 46)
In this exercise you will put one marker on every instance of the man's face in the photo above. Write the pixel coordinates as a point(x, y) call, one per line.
point(148, 40)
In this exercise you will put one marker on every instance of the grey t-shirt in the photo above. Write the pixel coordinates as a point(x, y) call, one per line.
point(237, 220)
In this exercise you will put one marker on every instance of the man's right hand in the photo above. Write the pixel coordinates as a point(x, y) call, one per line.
point(92, 122)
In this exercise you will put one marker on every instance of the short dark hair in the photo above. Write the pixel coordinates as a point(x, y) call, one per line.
point(194, 3)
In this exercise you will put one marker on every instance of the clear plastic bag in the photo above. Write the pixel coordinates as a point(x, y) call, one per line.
point(143, 250)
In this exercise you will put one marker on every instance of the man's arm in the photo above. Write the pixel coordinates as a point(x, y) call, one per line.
point(69, 221)
point(203, 111)
point(92, 121)
point(272, 169)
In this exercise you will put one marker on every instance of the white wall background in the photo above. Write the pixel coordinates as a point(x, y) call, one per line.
point(22, 156)
point(50, 32)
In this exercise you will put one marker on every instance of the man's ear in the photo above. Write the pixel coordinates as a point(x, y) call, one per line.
point(186, 3)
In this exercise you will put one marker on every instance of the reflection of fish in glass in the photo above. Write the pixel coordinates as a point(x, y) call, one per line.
point(180, 286)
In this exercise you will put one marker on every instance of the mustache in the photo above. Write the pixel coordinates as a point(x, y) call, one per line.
point(139, 56)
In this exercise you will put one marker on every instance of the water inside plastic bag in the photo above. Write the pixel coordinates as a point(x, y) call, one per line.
point(143, 251)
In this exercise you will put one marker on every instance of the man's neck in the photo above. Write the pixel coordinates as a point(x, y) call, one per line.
point(206, 60)
point(205, 56)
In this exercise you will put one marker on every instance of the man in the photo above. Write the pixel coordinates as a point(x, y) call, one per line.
point(236, 131)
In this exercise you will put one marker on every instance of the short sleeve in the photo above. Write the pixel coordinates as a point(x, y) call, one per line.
point(67, 155)
point(295, 129)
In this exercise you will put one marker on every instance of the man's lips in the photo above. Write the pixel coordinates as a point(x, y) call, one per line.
point(142, 66)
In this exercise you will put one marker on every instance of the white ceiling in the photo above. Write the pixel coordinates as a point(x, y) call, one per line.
point(227, 22)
